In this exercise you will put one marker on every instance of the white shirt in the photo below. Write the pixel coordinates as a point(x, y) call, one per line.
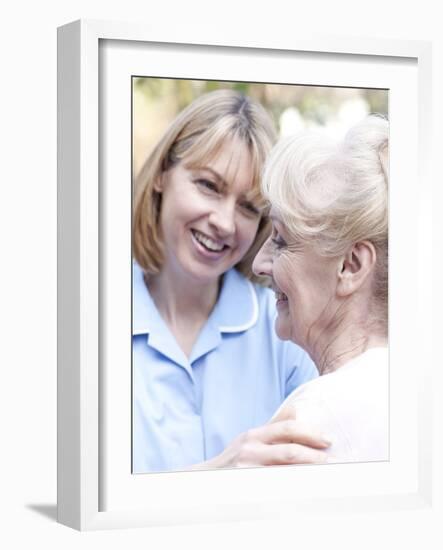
point(350, 406)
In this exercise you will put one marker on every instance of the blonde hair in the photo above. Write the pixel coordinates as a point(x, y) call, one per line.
point(195, 137)
point(333, 195)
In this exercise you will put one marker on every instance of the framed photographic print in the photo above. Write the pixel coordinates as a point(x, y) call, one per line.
point(194, 391)
point(132, 450)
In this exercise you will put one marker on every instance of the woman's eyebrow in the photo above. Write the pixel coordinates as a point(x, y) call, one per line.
point(215, 174)
point(251, 195)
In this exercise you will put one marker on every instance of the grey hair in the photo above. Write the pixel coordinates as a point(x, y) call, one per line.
point(333, 194)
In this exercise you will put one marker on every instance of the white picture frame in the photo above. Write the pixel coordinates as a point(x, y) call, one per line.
point(234, 494)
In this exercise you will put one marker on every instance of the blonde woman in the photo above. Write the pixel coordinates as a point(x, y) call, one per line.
point(207, 367)
point(327, 257)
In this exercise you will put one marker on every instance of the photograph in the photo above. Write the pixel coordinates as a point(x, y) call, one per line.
point(260, 233)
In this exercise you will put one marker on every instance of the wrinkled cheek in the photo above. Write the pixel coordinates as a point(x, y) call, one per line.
point(283, 272)
point(285, 278)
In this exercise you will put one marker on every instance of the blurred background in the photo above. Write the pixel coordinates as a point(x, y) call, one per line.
point(156, 102)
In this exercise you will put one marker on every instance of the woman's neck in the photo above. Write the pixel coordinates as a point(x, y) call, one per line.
point(177, 297)
point(352, 336)
point(183, 304)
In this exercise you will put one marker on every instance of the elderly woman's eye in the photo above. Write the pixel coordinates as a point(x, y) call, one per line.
point(279, 242)
point(276, 239)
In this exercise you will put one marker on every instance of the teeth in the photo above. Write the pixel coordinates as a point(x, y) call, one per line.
point(280, 295)
point(208, 243)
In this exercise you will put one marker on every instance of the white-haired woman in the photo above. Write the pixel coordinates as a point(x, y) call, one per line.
point(328, 261)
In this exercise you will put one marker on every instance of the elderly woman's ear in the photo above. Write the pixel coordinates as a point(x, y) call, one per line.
point(356, 268)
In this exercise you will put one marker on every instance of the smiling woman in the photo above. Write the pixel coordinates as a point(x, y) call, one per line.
point(207, 367)
point(207, 220)
point(328, 260)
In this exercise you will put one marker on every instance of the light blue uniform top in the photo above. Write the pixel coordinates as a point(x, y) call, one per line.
point(187, 410)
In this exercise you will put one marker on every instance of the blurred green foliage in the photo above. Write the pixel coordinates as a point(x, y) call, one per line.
point(158, 100)
point(313, 102)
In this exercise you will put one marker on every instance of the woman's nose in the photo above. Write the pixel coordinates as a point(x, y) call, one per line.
point(262, 264)
point(223, 219)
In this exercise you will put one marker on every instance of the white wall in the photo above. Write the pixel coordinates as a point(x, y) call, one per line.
point(28, 267)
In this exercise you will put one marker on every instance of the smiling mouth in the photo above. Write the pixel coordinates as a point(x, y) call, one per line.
point(280, 296)
point(209, 244)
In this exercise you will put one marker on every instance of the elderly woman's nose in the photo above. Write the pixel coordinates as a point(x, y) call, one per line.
point(262, 264)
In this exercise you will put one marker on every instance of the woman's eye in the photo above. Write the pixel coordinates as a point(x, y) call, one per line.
point(277, 239)
point(207, 185)
point(279, 243)
point(250, 208)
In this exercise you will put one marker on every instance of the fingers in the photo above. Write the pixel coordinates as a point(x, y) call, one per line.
point(288, 431)
point(280, 443)
point(286, 454)
point(278, 455)
point(285, 413)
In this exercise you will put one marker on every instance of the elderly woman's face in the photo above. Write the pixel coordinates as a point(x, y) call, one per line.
point(304, 283)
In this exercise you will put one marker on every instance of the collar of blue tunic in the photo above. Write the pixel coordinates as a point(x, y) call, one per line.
point(235, 311)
